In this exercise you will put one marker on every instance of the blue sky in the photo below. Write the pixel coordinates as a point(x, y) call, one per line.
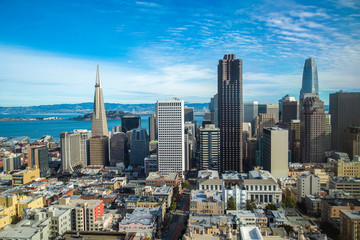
point(154, 50)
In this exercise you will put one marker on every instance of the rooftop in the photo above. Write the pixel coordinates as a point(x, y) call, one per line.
point(205, 196)
point(250, 233)
point(18, 233)
point(352, 215)
point(232, 175)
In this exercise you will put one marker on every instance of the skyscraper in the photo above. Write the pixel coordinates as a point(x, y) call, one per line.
point(270, 109)
point(139, 146)
point(230, 108)
point(118, 149)
point(99, 124)
point(39, 156)
point(352, 141)
point(310, 85)
point(263, 120)
point(294, 140)
point(209, 147)
point(312, 133)
point(250, 111)
point(171, 146)
point(345, 112)
point(153, 127)
point(129, 123)
point(276, 151)
point(289, 109)
point(85, 135)
point(99, 142)
point(189, 114)
point(70, 151)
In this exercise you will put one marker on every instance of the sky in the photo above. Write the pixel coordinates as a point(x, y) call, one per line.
point(156, 50)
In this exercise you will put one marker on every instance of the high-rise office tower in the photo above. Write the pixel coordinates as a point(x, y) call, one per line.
point(310, 86)
point(263, 120)
point(252, 144)
point(270, 109)
point(99, 124)
point(230, 108)
point(85, 135)
point(312, 130)
point(139, 146)
point(210, 147)
point(70, 151)
point(116, 129)
point(190, 144)
point(352, 141)
point(171, 145)
point(345, 112)
point(276, 151)
point(99, 151)
point(39, 156)
point(188, 114)
point(99, 142)
point(250, 111)
point(214, 110)
point(327, 137)
point(153, 127)
point(118, 149)
point(289, 109)
point(294, 140)
point(129, 123)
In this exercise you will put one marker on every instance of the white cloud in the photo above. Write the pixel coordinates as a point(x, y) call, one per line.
point(29, 77)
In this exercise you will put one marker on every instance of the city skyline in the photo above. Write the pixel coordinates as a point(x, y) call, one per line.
point(150, 51)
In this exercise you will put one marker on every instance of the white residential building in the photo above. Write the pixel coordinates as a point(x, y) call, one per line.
point(70, 151)
point(171, 146)
point(307, 184)
point(85, 135)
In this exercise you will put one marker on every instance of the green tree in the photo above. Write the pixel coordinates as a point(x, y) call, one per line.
point(173, 206)
point(289, 229)
point(185, 184)
point(271, 206)
point(289, 202)
point(231, 204)
point(250, 205)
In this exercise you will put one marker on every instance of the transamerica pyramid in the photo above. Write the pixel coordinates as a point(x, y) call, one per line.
point(99, 125)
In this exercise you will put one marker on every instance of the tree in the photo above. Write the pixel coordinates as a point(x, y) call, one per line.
point(231, 204)
point(289, 202)
point(289, 229)
point(271, 206)
point(173, 206)
point(250, 205)
point(185, 184)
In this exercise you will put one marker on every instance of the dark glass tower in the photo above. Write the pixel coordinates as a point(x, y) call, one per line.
point(310, 85)
point(230, 112)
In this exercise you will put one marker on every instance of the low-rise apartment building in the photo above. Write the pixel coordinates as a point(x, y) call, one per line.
point(206, 203)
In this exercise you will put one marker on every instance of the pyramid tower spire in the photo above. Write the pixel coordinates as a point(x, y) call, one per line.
point(99, 124)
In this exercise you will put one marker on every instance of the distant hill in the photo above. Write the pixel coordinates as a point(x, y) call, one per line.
point(88, 107)
point(110, 115)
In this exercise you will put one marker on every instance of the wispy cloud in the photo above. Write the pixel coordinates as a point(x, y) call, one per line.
point(148, 4)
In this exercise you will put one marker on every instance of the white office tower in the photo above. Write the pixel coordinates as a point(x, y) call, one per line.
point(70, 151)
point(85, 135)
point(275, 150)
point(171, 146)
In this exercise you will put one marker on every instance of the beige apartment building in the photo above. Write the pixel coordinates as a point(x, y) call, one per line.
point(207, 203)
point(349, 224)
point(347, 168)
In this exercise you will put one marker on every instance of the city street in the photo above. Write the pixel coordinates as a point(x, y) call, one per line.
point(178, 220)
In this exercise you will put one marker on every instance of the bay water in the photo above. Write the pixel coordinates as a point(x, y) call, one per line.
point(38, 128)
